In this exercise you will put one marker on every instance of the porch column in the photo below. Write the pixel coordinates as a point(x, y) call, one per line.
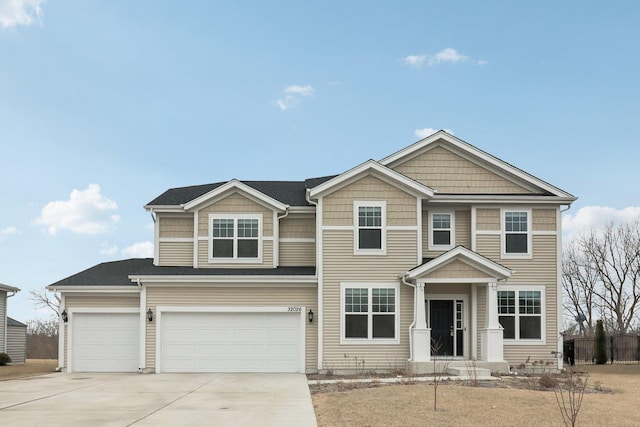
point(491, 335)
point(420, 334)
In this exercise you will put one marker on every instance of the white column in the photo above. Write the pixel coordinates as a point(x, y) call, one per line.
point(420, 334)
point(492, 340)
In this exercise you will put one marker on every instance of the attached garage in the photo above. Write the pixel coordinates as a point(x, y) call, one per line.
point(228, 339)
point(104, 341)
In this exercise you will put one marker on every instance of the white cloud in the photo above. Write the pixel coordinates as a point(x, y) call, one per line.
point(445, 56)
point(86, 212)
point(108, 250)
point(596, 217)
point(425, 132)
point(139, 250)
point(292, 94)
point(20, 12)
point(8, 231)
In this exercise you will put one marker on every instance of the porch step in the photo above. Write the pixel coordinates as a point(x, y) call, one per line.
point(469, 372)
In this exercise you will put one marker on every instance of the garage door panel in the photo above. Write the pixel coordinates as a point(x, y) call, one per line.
point(105, 342)
point(230, 342)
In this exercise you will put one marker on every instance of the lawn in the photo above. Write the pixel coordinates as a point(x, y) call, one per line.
point(412, 404)
point(30, 368)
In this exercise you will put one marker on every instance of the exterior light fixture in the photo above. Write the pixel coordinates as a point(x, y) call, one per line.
point(64, 316)
point(150, 315)
point(310, 315)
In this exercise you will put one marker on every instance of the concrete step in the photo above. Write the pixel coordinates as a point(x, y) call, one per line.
point(469, 372)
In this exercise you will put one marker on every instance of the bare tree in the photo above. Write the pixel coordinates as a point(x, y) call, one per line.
point(43, 299)
point(601, 276)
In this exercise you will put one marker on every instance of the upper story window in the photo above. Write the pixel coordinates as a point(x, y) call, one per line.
point(520, 312)
point(370, 230)
point(442, 232)
point(516, 233)
point(370, 313)
point(235, 238)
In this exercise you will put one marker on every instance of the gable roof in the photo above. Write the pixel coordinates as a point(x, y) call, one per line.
point(118, 273)
point(371, 167)
point(231, 186)
point(465, 255)
point(8, 288)
point(474, 154)
point(14, 322)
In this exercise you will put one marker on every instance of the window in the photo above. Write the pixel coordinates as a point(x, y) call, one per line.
point(369, 312)
point(370, 227)
point(442, 230)
point(234, 238)
point(520, 314)
point(517, 228)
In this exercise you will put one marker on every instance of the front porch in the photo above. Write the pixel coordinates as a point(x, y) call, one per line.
point(455, 325)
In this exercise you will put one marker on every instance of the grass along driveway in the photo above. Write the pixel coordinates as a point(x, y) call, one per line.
point(412, 405)
point(30, 368)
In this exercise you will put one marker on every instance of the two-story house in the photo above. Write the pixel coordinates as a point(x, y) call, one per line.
point(439, 250)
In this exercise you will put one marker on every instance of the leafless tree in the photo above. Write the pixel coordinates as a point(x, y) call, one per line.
point(601, 276)
point(44, 299)
point(42, 339)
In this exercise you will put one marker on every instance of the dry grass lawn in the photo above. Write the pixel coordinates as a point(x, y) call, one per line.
point(30, 368)
point(412, 405)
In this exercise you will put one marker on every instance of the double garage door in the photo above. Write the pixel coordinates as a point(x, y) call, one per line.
point(191, 342)
point(230, 342)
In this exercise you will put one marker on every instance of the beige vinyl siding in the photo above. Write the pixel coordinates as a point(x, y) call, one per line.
point(267, 257)
point(16, 343)
point(338, 206)
point(183, 295)
point(341, 265)
point(297, 254)
point(447, 288)
point(175, 227)
point(235, 203)
point(3, 320)
point(176, 253)
point(544, 219)
point(540, 270)
point(488, 219)
point(298, 227)
point(457, 270)
point(448, 172)
point(95, 300)
point(462, 231)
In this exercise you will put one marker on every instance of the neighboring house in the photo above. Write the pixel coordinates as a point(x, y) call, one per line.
point(6, 324)
point(16, 340)
point(438, 251)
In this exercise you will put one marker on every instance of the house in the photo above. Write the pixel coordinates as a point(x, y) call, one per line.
point(438, 251)
point(10, 332)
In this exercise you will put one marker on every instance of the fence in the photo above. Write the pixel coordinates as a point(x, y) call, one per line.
point(621, 348)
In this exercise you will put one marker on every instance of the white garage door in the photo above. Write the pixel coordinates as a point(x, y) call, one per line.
point(105, 342)
point(231, 342)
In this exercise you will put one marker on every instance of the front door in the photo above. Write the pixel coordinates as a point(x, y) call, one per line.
point(447, 327)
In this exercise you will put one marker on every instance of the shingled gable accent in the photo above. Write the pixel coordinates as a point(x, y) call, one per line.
point(477, 156)
point(371, 167)
point(235, 186)
point(464, 255)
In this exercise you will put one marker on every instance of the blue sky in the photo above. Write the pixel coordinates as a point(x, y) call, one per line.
point(106, 104)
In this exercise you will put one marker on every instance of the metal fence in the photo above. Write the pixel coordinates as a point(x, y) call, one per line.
point(621, 348)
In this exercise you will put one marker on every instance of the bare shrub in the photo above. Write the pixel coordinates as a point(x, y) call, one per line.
point(569, 398)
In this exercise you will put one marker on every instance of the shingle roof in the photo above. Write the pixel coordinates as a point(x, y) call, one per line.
point(288, 192)
point(116, 273)
point(14, 322)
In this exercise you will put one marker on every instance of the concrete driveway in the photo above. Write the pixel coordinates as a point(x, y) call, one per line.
point(157, 400)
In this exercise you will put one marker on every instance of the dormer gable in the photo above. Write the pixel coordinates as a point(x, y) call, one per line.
point(234, 186)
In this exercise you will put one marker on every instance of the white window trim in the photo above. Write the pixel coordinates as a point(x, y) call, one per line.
point(356, 227)
point(503, 233)
point(543, 313)
point(369, 341)
point(234, 260)
point(452, 230)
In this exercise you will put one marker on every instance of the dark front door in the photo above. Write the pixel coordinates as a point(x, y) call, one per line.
point(441, 321)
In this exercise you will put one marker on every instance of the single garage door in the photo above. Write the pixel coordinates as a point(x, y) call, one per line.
point(105, 342)
point(231, 342)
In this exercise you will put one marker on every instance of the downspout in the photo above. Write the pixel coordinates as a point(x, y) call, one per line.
point(320, 322)
point(276, 250)
point(404, 280)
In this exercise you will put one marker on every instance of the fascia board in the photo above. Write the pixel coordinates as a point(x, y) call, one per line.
point(368, 166)
point(8, 288)
point(493, 199)
point(466, 256)
point(500, 165)
point(237, 185)
point(96, 289)
point(163, 208)
point(221, 278)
